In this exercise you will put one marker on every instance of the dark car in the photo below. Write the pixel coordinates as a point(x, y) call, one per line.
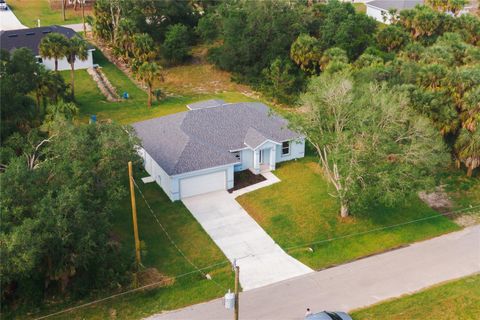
point(3, 5)
point(328, 315)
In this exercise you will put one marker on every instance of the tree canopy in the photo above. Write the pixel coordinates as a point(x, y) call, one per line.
point(372, 145)
point(58, 196)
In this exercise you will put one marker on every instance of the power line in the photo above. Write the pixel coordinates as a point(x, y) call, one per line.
point(227, 261)
point(381, 228)
point(170, 238)
point(197, 269)
point(128, 292)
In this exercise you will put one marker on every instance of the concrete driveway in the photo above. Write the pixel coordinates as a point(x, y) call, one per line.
point(78, 27)
point(261, 260)
point(8, 21)
point(354, 285)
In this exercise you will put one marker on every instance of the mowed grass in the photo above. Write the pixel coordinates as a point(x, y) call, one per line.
point(464, 190)
point(299, 213)
point(92, 102)
point(28, 11)
point(458, 300)
point(161, 254)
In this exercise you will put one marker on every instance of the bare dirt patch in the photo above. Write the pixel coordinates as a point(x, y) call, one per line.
point(437, 200)
point(151, 276)
point(441, 202)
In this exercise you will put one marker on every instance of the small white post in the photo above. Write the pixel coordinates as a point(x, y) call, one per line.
point(273, 155)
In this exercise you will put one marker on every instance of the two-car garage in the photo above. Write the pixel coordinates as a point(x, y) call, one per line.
point(192, 186)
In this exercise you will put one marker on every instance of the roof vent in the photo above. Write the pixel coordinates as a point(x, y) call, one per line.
point(30, 33)
point(13, 35)
point(47, 31)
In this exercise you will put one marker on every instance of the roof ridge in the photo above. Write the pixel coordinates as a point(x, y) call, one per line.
point(185, 145)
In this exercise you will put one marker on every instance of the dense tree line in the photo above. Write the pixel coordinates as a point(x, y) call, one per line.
point(430, 53)
point(162, 27)
point(378, 99)
point(61, 183)
point(257, 36)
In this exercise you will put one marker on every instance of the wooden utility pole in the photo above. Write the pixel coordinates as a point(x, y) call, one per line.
point(237, 295)
point(134, 214)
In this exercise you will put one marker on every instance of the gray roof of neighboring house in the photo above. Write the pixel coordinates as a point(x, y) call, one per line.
point(394, 4)
point(204, 138)
point(30, 38)
point(205, 104)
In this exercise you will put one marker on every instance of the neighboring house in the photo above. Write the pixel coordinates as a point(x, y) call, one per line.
point(11, 40)
point(379, 8)
point(198, 151)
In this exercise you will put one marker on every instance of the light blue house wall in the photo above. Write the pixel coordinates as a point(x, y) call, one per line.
point(155, 171)
point(297, 150)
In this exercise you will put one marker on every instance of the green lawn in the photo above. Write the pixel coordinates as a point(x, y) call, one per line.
point(464, 190)
point(91, 101)
point(28, 11)
point(299, 210)
point(458, 300)
point(161, 254)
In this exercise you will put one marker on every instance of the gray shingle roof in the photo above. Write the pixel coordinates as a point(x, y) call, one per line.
point(253, 138)
point(30, 38)
point(394, 4)
point(203, 138)
point(205, 104)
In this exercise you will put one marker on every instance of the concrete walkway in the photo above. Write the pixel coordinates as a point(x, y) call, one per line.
point(354, 285)
point(261, 260)
point(8, 21)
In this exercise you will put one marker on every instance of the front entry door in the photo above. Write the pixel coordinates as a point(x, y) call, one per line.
point(261, 156)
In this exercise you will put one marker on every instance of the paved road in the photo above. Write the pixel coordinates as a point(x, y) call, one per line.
point(8, 21)
point(354, 285)
point(261, 260)
point(77, 27)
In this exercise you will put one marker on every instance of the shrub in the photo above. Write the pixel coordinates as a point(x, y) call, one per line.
point(177, 44)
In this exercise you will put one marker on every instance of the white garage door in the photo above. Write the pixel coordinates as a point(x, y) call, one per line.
point(203, 184)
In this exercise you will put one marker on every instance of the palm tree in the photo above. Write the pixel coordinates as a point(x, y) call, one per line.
point(126, 31)
point(468, 149)
point(77, 49)
point(41, 86)
point(143, 49)
point(147, 73)
point(59, 112)
point(53, 46)
point(49, 86)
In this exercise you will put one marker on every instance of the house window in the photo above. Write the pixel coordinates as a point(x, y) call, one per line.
point(285, 148)
point(238, 156)
point(39, 60)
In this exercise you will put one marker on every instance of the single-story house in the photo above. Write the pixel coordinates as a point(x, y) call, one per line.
point(11, 40)
point(379, 8)
point(198, 151)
